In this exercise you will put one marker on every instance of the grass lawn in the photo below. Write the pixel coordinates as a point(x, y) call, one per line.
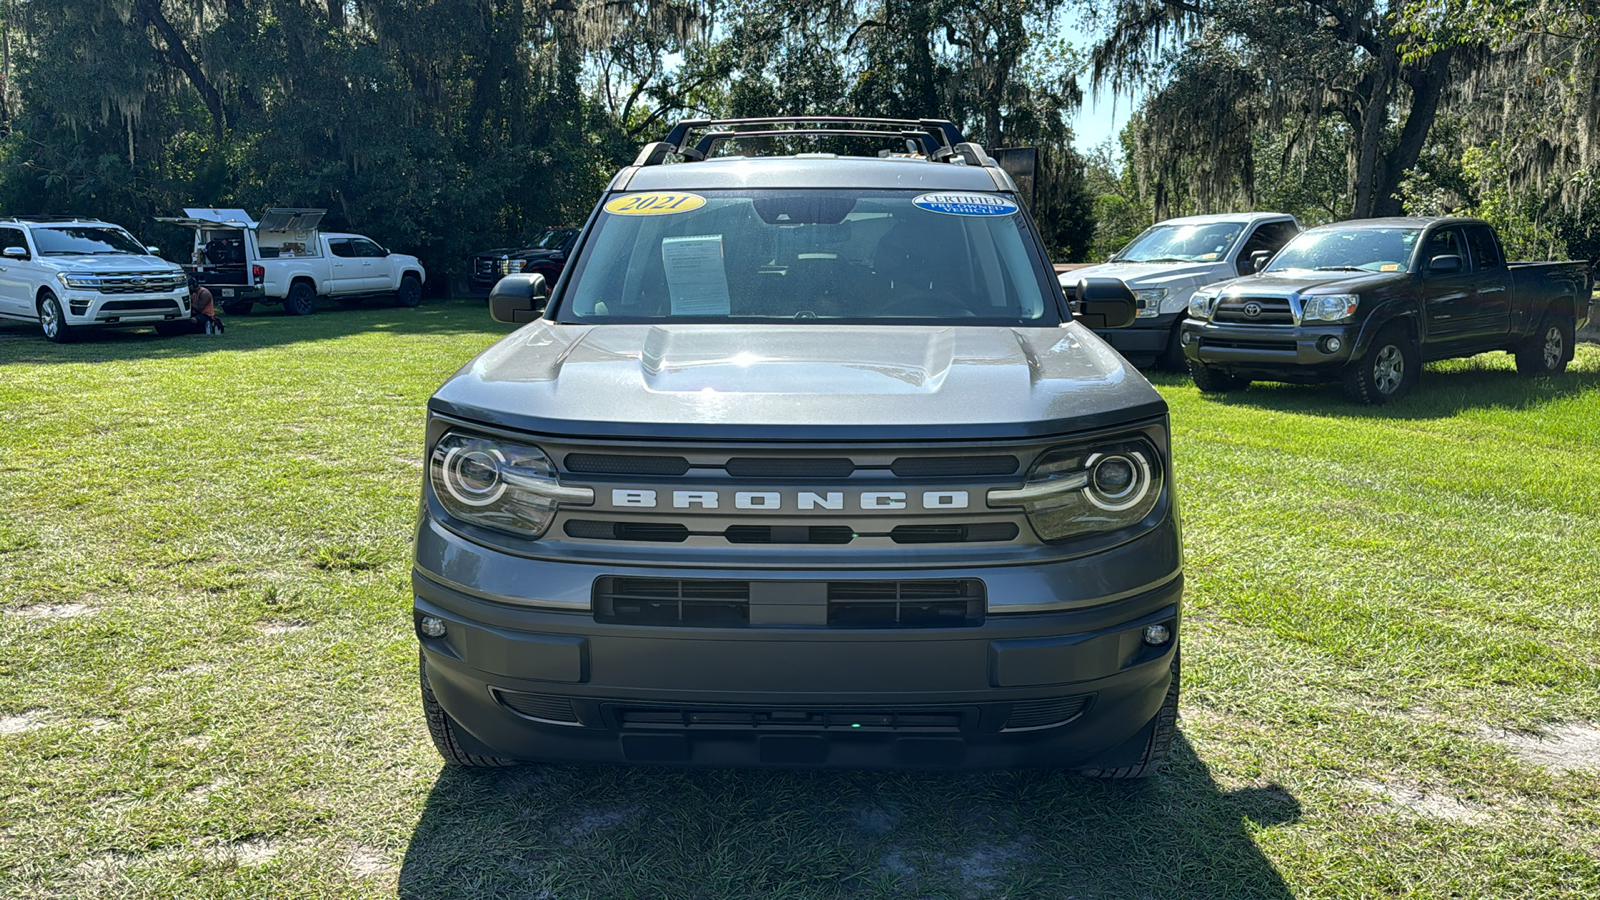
point(208, 680)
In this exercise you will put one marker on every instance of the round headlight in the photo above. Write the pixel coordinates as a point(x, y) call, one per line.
point(472, 475)
point(499, 484)
point(1118, 481)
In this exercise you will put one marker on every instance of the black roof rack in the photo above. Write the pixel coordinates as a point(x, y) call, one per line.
point(938, 139)
point(49, 219)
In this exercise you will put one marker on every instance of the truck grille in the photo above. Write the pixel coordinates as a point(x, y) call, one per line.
point(139, 283)
point(485, 265)
point(725, 603)
point(853, 719)
point(792, 467)
point(677, 533)
point(1268, 311)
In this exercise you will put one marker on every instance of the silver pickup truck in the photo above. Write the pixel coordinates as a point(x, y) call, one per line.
point(804, 462)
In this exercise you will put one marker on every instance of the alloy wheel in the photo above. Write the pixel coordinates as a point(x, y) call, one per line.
point(49, 318)
point(1389, 369)
point(1553, 348)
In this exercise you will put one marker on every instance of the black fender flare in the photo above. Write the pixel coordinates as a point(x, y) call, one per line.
point(1382, 317)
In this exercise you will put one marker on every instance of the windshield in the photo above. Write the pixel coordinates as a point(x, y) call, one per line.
point(810, 256)
point(552, 240)
point(1357, 249)
point(80, 240)
point(1181, 243)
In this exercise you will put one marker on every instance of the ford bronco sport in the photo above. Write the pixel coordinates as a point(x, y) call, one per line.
point(805, 461)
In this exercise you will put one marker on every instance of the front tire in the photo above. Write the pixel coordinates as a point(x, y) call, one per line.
point(302, 299)
point(1546, 352)
point(1159, 746)
point(1386, 371)
point(410, 292)
point(442, 729)
point(1215, 381)
point(53, 321)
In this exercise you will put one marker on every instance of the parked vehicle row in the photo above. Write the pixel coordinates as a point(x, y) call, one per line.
point(1241, 298)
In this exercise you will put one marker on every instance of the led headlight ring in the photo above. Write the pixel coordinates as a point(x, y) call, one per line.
point(473, 476)
point(1117, 481)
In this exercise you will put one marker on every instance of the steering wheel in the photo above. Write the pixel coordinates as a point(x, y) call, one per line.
point(930, 304)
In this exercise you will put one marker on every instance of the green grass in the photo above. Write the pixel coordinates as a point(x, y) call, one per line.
point(208, 685)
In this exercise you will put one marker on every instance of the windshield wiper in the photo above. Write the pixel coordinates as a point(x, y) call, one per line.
point(1157, 259)
point(1338, 269)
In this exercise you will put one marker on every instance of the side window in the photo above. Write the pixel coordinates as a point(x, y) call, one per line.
point(1485, 253)
point(1270, 237)
point(341, 248)
point(366, 248)
point(13, 237)
point(1447, 242)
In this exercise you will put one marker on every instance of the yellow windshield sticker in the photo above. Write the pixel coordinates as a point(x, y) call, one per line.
point(655, 203)
point(1389, 267)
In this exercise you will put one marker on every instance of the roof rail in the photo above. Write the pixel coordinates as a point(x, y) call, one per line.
point(49, 219)
point(938, 139)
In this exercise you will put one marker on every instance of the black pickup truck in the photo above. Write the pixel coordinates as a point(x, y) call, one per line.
point(1366, 302)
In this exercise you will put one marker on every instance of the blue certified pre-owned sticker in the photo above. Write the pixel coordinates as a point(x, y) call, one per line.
point(966, 204)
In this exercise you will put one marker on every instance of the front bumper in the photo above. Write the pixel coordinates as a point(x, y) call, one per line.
point(1069, 688)
point(84, 308)
point(1301, 353)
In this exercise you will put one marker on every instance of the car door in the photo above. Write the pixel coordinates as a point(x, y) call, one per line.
point(1491, 320)
point(374, 266)
point(344, 268)
point(1449, 300)
point(1268, 236)
point(16, 288)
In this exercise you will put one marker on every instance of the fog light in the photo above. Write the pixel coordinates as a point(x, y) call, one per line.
point(1331, 345)
point(1186, 338)
point(433, 627)
point(1154, 635)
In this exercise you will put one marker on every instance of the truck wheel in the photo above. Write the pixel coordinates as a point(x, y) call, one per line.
point(1386, 371)
point(1160, 743)
point(1546, 351)
point(1172, 358)
point(443, 729)
point(302, 299)
point(237, 307)
point(52, 321)
point(410, 293)
point(1215, 381)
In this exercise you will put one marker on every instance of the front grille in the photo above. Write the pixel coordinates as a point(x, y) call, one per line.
point(947, 466)
point(538, 706)
point(1038, 714)
point(1272, 311)
point(485, 265)
point(790, 719)
point(725, 603)
point(666, 533)
point(954, 534)
point(154, 306)
point(952, 602)
point(1237, 344)
point(614, 464)
point(789, 534)
point(798, 467)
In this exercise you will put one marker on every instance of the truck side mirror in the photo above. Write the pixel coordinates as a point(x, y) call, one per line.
point(15, 253)
point(1259, 260)
point(1105, 303)
point(1446, 264)
point(518, 299)
point(152, 249)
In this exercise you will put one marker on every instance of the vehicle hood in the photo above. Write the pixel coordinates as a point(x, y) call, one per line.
point(1282, 284)
point(517, 253)
point(118, 263)
point(799, 382)
point(1149, 275)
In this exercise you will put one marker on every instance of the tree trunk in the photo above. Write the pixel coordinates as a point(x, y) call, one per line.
point(180, 56)
point(1427, 84)
point(1374, 119)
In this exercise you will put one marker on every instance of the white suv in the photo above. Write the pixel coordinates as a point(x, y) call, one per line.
point(68, 274)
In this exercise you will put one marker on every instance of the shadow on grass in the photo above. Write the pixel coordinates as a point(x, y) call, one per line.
point(569, 831)
point(21, 342)
point(1444, 390)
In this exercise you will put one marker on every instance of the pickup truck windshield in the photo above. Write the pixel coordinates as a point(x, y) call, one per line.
point(85, 241)
point(835, 256)
point(1366, 249)
point(1181, 243)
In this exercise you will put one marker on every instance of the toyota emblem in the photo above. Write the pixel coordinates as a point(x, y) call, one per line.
point(1252, 309)
point(137, 280)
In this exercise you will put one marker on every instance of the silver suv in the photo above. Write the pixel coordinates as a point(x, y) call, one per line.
point(805, 461)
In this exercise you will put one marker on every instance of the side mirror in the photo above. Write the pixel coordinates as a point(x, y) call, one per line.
point(1259, 259)
point(152, 249)
point(15, 253)
point(1105, 303)
point(518, 299)
point(1446, 264)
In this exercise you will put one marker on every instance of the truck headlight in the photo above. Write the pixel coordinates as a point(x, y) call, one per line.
point(1201, 303)
point(1328, 307)
point(1150, 301)
point(78, 280)
point(1081, 490)
point(500, 485)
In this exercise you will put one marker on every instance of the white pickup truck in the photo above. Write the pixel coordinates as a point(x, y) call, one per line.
point(1171, 260)
point(285, 259)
